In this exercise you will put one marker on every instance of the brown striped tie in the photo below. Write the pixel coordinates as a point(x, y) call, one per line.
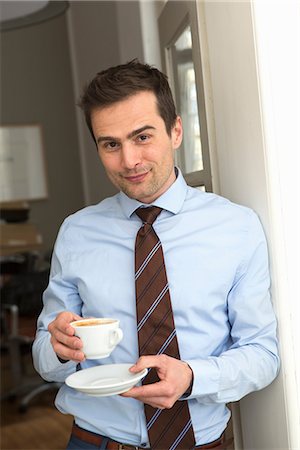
point(168, 429)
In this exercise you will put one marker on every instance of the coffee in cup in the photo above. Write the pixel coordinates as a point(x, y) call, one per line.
point(99, 336)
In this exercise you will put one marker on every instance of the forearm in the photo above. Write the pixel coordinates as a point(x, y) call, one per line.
point(251, 361)
point(61, 296)
point(233, 374)
point(46, 361)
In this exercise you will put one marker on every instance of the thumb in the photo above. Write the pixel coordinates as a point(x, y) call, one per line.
point(144, 362)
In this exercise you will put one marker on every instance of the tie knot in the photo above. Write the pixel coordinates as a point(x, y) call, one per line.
point(148, 215)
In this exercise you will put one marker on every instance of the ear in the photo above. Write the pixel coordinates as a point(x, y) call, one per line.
point(177, 133)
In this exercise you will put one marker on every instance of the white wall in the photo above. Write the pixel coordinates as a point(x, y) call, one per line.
point(247, 175)
point(236, 105)
point(279, 77)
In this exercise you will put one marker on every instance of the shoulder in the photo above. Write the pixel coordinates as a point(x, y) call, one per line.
point(106, 208)
point(216, 209)
point(207, 200)
point(93, 217)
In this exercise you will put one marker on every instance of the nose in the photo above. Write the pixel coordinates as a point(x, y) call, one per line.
point(131, 156)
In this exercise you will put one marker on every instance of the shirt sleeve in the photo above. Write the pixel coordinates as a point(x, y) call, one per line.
point(60, 295)
point(251, 362)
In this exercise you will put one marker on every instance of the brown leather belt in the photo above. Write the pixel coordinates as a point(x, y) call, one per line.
point(97, 440)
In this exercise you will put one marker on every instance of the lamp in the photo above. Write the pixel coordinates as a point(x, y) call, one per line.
point(17, 14)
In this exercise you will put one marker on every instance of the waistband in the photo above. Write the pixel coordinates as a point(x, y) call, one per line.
point(97, 440)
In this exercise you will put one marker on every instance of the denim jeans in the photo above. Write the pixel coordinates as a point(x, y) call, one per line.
point(77, 444)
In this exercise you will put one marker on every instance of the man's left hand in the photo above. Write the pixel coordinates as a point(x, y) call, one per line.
point(175, 378)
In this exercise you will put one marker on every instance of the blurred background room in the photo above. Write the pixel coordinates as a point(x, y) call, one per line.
point(223, 72)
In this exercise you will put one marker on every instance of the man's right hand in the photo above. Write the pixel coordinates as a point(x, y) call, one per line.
point(65, 344)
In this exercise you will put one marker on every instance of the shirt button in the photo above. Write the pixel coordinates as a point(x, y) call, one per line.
point(143, 444)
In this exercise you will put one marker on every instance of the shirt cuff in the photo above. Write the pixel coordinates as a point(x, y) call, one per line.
point(187, 393)
point(52, 363)
point(63, 361)
point(206, 377)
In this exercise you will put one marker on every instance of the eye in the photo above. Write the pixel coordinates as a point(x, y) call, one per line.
point(111, 145)
point(143, 138)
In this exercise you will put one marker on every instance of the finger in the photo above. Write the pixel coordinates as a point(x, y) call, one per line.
point(155, 401)
point(149, 361)
point(69, 341)
point(60, 327)
point(135, 392)
point(159, 389)
point(67, 353)
point(64, 322)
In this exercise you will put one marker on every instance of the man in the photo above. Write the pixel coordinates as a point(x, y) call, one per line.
point(217, 278)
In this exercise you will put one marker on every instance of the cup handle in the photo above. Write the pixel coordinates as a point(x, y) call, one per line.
point(115, 337)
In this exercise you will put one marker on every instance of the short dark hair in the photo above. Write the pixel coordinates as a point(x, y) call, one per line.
point(120, 82)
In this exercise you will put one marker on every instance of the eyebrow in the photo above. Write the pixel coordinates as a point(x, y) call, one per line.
point(129, 136)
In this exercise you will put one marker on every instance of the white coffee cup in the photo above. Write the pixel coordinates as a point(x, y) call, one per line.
point(99, 336)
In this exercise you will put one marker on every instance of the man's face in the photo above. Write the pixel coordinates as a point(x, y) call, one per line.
point(134, 146)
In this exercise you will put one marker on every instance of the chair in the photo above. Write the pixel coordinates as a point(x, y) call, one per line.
point(20, 306)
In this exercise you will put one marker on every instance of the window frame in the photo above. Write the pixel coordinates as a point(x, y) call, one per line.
point(175, 17)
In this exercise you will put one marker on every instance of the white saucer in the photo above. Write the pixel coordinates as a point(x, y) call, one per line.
point(105, 380)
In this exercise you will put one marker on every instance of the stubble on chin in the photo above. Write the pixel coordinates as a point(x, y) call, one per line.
point(136, 193)
point(145, 190)
point(140, 191)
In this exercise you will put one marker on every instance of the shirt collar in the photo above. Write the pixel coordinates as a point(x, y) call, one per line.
point(171, 200)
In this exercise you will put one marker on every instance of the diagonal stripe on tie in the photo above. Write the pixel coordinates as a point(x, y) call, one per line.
point(166, 343)
point(181, 435)
point(149, 283)
point(153, 306)
point(147, 259)
point(168, 429)
point(154, 417)
point(164, 438)
point(154, 332)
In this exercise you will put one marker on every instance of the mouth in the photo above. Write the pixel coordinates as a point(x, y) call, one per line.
point(137, 178)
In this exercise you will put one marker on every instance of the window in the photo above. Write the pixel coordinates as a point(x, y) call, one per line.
point(182, 63)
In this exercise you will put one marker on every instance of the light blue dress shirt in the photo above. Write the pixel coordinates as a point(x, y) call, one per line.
point(217, 266)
